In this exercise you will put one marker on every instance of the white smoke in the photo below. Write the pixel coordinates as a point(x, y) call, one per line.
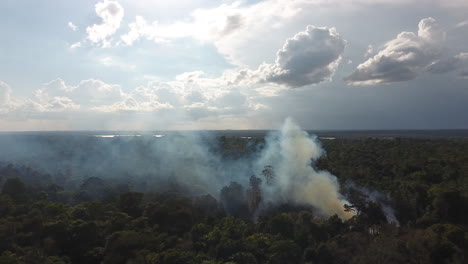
point(383, 199)
point(292, 153)
point(193, 162)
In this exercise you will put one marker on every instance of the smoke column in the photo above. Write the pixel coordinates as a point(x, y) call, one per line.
point(292, 153)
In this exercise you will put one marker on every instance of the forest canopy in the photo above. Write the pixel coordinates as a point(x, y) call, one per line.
point(423, 181)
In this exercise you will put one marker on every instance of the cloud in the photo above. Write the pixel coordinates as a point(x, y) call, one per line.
point(462, 58)
point(111, 14)
point(190, 96)
point(72, 26)
point(370, 51)
point(204, 24)
point(229, 26)
point(462, 24)
point(42, 102)
point(75, 45)
point(241, 29)
point(87, 93)
point(5, 92)
point(448, 64)
point(141, 29)
point(7, 102)
point(39, 103)
point(464, 74)
point(310, 57)
point(113, 62)
point(407, 56)
point(190, 92)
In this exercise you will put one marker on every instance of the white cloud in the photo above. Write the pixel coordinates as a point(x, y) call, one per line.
point(370, 51)
point(113, 62)
point(75, 45)
point(42, 102)
point(39, 103)
point(72, 26)
point(7, 102)
point(141, 29)
point(87, 93)
point(111, 14)
point(5, 92)
point(407, 56)
point(204, 24)
point(191, 95)
point(463, 56)
point(462, 24)
point(310, 57)
point(229, 27)
point(240, 30)
point(464, 74)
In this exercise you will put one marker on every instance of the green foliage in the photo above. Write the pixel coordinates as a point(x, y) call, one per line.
point(130, 203)
point(425, 181)
point(16, 189)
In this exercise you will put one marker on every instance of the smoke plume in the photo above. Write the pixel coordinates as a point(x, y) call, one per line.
point(381, 198)
point(292, 153)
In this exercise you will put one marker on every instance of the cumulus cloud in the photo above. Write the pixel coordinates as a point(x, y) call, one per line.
point(407, 56)
point(141, 29)
point(448, 64)
point(204, 24)
point(189, 97)
point(89, 92)
point(57, 96)
point(8, 102)
point(462, 58)
point(43, 102)
point(240, 30)
point(111, 14)
point(370, 51)
point(75, 45)
point(230, 27)
point(72, 26)
point(191, 93)
point(113, 62)
point(310, 57)
point(462, 24)
point(5, 92)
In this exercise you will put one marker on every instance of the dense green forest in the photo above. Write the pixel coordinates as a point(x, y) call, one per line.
point(424, 181)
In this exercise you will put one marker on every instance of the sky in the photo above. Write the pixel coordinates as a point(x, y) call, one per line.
point(206, 64)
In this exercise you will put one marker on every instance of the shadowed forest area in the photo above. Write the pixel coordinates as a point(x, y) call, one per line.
point(408, 199)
